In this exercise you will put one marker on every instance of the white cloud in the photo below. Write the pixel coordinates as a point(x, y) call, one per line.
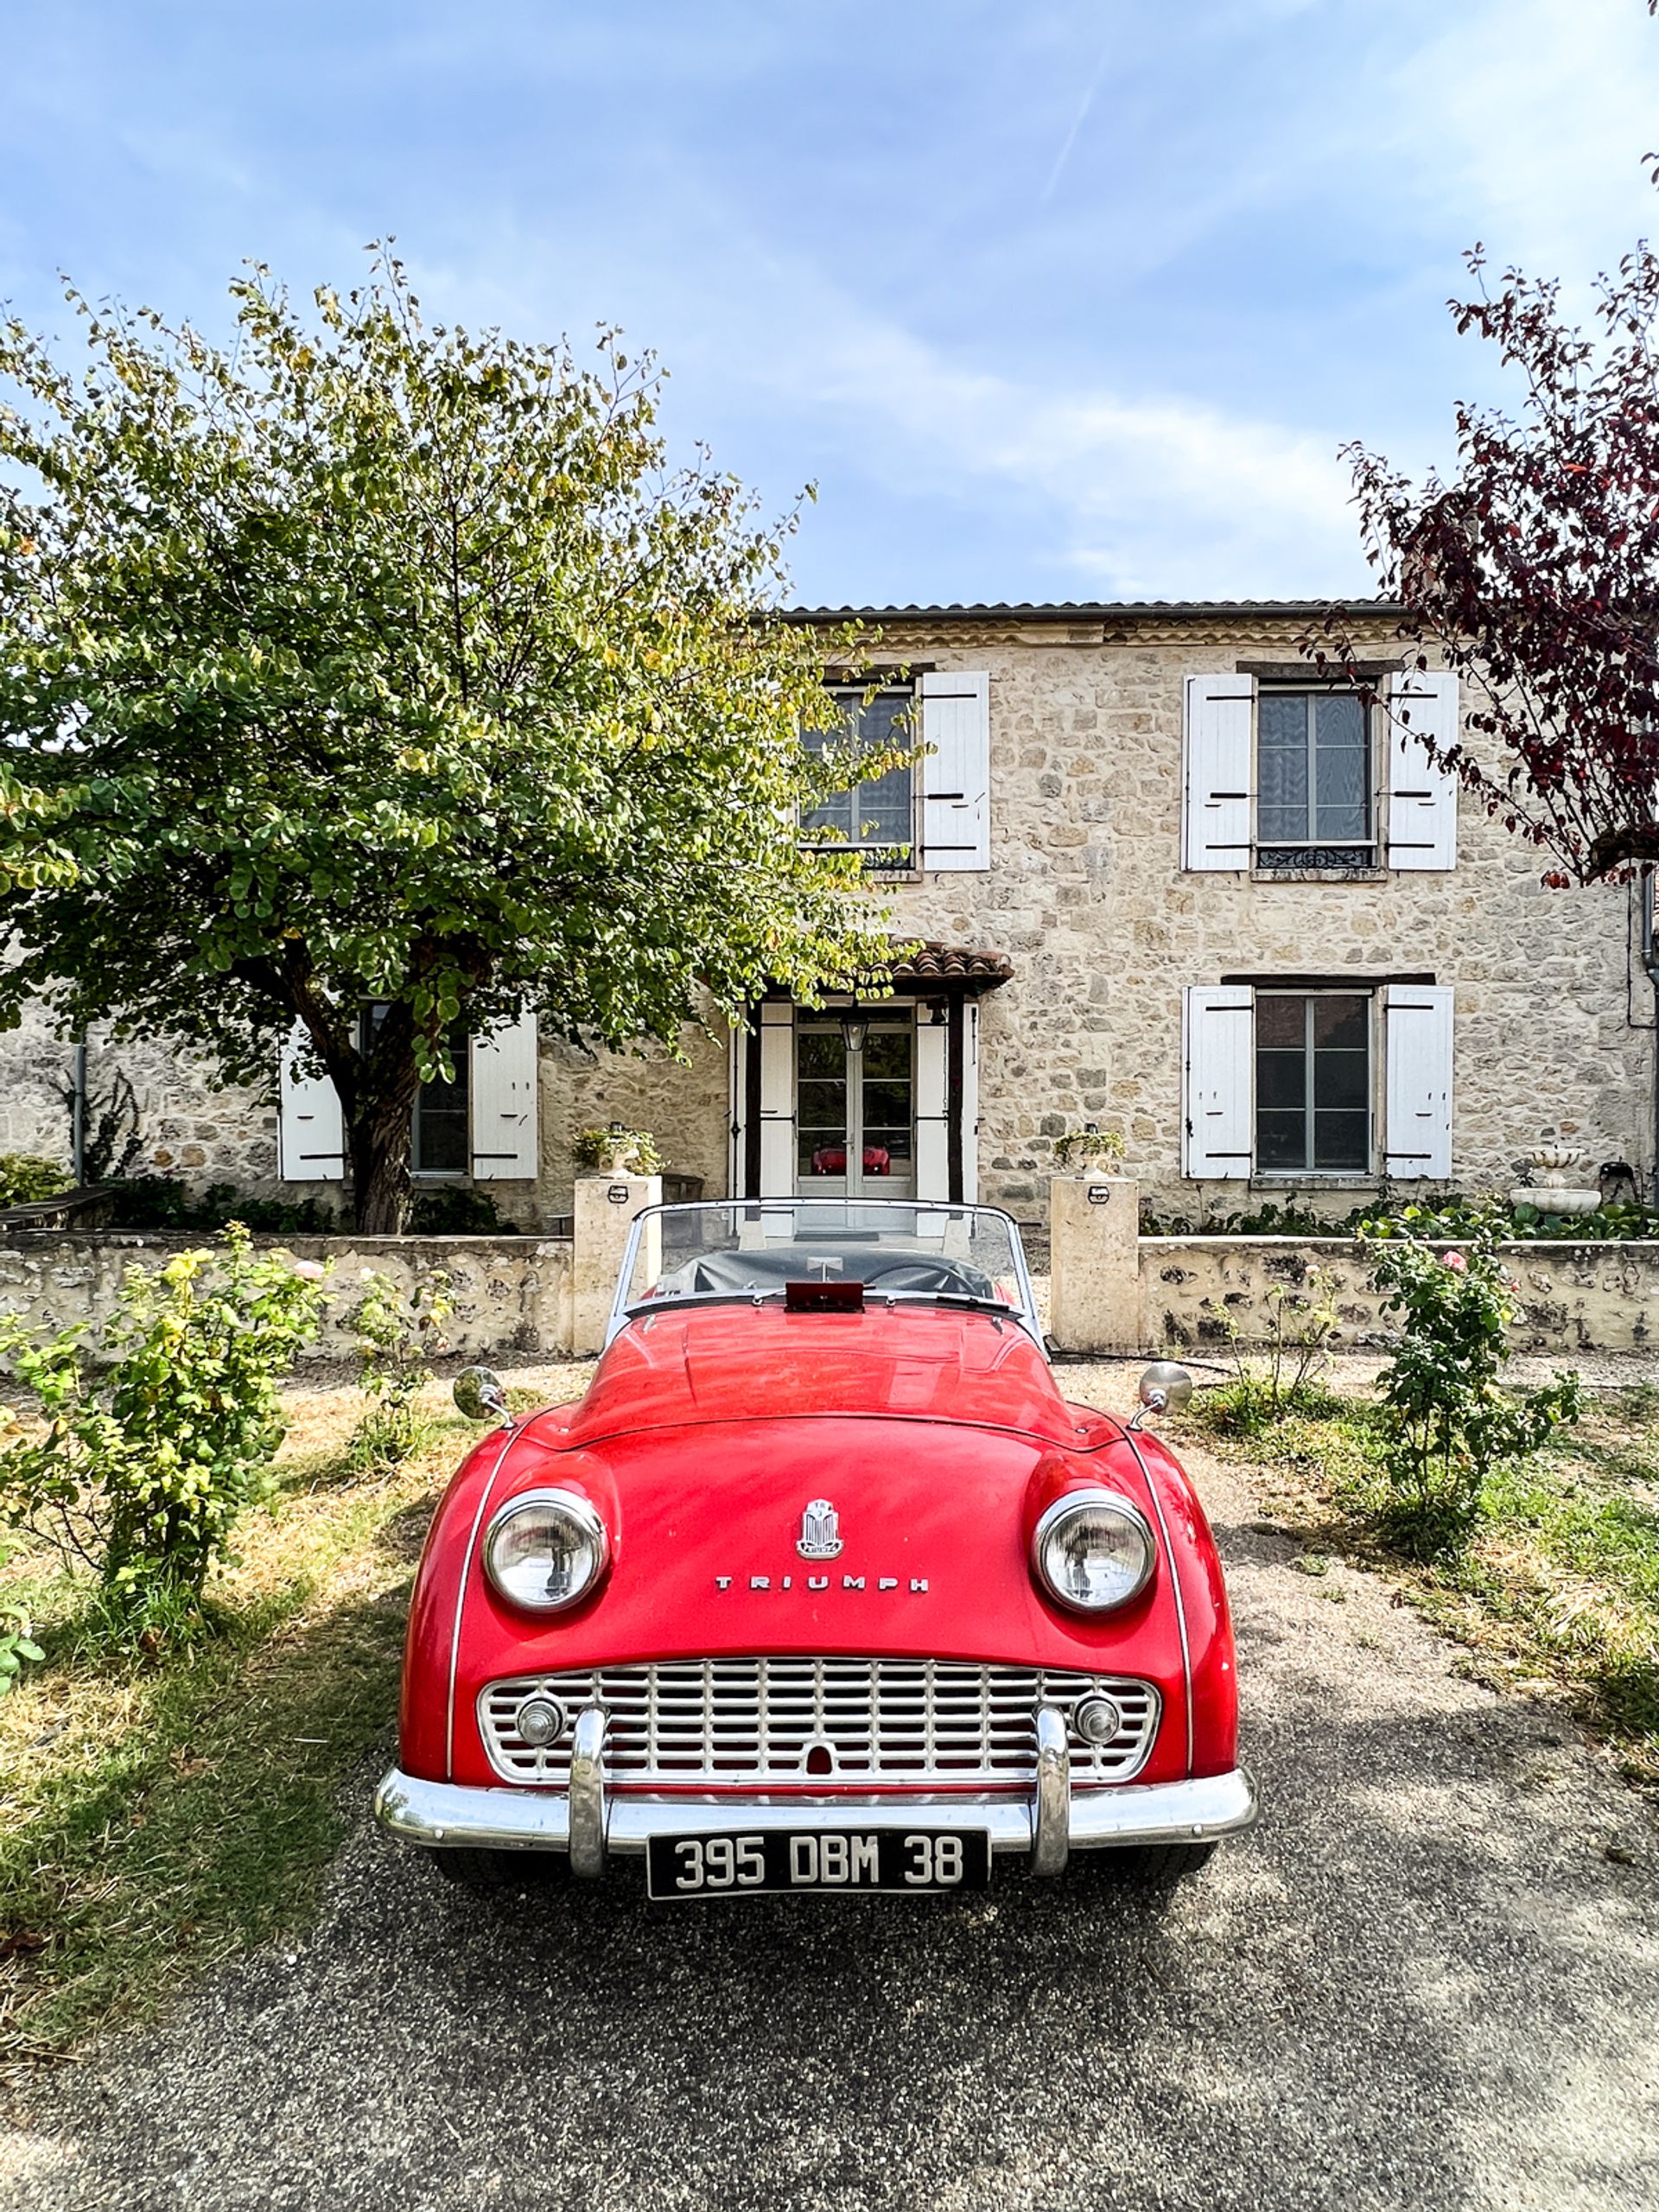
point(1534, 115)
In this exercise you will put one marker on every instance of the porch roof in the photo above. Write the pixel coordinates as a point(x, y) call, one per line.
point(935, 969)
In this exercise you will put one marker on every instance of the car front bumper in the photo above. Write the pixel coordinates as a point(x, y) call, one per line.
point(592, 1823)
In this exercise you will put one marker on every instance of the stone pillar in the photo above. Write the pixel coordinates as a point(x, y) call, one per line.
point(1094, 1263)
point(606, 1206)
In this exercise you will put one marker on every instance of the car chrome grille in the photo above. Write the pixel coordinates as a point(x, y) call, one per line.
point(707, 1724)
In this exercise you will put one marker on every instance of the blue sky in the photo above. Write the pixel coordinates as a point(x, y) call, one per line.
point(1052, 301)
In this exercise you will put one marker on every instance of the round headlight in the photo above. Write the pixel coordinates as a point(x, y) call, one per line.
point(545, 1548)
point(1093, 1550)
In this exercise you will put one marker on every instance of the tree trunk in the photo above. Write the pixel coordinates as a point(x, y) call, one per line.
point(379, 1140)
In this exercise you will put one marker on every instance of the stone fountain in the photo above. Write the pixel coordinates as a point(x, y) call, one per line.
point(1558, 1183)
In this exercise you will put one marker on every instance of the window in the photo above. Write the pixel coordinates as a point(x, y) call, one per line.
point(443, 1136)
point(1314, 767)
point(876, 816)
point(1312, 1083)
point(441, 1132)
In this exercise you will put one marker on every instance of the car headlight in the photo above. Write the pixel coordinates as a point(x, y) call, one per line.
point(1093, 1550)
point(545, 1548)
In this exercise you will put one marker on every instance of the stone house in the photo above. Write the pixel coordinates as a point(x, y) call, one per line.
point(1165, 881)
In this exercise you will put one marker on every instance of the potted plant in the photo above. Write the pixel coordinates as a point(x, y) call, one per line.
point(616, 1150)
point(1090, 1147)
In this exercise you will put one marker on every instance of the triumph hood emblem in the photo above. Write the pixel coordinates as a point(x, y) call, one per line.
point(820, 1536)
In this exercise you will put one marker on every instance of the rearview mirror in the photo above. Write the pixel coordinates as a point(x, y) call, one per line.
point(1165, 1387)
point(479, 1393)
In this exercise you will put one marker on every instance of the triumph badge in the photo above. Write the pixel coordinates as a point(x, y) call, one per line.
point(819, 1537)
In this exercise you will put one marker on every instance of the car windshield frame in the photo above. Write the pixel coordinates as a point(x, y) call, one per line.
point(1022, 1313)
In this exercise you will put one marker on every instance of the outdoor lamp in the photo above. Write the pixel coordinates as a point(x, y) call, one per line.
point(856, 1026)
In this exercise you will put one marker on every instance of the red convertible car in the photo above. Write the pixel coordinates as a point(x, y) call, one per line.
point(822, 1586)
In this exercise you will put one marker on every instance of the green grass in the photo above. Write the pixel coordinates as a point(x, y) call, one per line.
point(1560, 1584)
point(158, 1814)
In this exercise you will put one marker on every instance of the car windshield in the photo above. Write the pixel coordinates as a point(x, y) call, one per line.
point(756, 1248)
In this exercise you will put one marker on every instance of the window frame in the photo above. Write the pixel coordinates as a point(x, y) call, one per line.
point(1364, 1171)
point(1292, 855)
point(462, 1053)
point(880, 857)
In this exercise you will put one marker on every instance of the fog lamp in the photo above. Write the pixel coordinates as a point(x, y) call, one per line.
point(1097, 1719)
point(539, 1720)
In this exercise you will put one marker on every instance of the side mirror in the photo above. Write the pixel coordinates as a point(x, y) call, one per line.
point(479, 1393)
point(1165, 1387)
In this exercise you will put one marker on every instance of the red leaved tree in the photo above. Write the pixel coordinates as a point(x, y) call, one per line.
point(1533, 570)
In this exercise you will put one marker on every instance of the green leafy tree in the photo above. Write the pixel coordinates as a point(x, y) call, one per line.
point(374, 663)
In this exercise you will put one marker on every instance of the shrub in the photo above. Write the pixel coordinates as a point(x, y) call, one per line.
point(398, 1335)
point(453, 1209)
point(163, 1202)
point(1456, 1426)
point(1282, 1376)
point(16, 1645)
point(145, 1462)
point(616, 1151)
point(25, 1179)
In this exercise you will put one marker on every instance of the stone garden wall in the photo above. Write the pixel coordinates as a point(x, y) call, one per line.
point(1579, 1298)
point(1121, 1294)
point(510, 1292)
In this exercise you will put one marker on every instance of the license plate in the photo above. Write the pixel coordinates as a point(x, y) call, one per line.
point(771, 1861)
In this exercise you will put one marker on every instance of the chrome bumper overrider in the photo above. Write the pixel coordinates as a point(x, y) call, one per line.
point(592, 1823)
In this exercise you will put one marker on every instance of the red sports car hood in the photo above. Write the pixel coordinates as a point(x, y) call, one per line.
point(740, 1364)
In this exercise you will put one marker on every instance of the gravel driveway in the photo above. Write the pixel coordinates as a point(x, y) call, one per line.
point(1422, 1983)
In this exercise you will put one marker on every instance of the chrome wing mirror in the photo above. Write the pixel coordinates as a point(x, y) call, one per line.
point(479, 1393)
point(1165, 1387)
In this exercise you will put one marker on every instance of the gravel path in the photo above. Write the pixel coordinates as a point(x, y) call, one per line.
point(1422, 1983)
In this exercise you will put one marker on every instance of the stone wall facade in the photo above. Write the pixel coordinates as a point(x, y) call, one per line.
point(509, 1292)
point(1553, 1029)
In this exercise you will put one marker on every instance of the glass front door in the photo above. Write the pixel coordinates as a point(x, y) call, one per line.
point(855, 1111)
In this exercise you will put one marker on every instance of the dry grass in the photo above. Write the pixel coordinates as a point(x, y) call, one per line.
point(157, 1814)
point(1557, 1592)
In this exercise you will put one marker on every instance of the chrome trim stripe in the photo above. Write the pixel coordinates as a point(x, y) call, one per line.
point(461, 1599)
point(1175, 1580)
point(444, 1813)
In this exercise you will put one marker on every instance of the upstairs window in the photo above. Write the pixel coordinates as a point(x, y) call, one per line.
point(875, 817)
point(1313, 765)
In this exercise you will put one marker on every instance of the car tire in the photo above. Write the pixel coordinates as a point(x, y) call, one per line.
point(501, 1873)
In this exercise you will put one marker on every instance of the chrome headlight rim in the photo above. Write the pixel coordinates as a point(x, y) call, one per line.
point(587, 1518)
point(1109, 1501)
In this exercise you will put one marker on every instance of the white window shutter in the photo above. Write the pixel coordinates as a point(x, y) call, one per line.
point(310, 1124)
point(956, 773)
point(932, 1109)
point(501, 1089)
point(1220, 718)
point(971, 1108)
point(1422, 795)
point(1218, 1059)
point(1417, 1127)
point(776, 1043)
point(737, 1158)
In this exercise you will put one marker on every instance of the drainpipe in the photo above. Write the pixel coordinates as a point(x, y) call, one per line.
point(1651, 962)
point(78, 1116)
